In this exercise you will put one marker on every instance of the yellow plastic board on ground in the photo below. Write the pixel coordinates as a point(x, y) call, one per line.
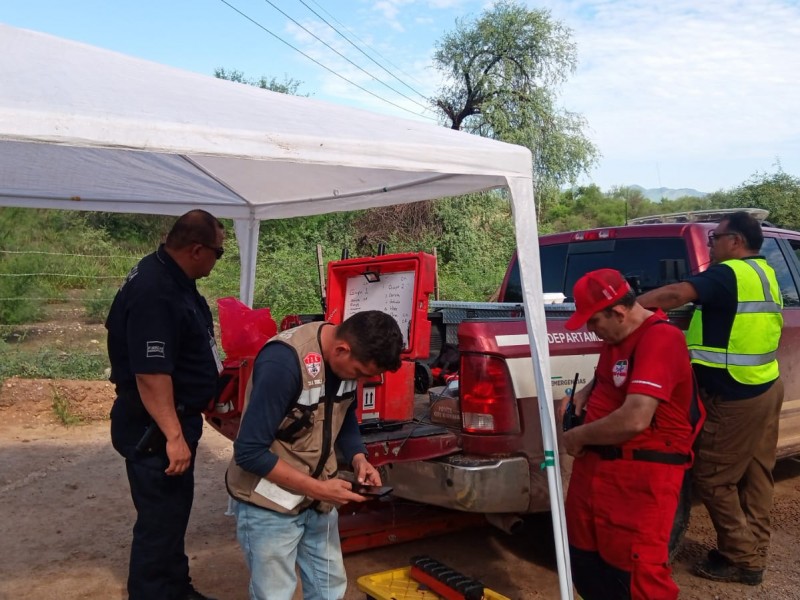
point(397, 584)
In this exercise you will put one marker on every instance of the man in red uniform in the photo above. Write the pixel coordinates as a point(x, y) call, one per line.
point(633, 447)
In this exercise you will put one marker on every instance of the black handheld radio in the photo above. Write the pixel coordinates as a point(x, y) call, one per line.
point(570, 418)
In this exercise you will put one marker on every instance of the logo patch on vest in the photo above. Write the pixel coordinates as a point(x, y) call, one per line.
point(620, 372)
point(313, 362)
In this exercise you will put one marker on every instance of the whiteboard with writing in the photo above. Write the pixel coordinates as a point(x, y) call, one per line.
point(393, 294)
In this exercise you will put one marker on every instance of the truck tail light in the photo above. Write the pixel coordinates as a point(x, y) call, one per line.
point(488, 403)
point(598, 234)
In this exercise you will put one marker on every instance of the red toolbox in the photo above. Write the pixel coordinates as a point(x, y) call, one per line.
point(400, 285)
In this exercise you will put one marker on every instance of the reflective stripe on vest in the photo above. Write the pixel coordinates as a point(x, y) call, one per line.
point(311, 396)
point(750, 359)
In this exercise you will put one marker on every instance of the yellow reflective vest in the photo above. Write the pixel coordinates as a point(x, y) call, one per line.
point(750, 356)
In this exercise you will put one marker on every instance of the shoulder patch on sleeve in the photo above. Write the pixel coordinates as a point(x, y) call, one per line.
point(155, 349)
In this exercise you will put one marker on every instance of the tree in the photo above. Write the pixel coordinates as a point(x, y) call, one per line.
point(503, 72)
point(583, 207)
point(777, 192)
point(635, 204)
point(686, 204)
point(288, 86)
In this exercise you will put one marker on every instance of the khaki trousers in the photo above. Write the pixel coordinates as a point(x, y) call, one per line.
point(735, 455)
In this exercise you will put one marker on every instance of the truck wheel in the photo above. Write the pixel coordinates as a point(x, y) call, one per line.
point(423, 378)
point(681, 521)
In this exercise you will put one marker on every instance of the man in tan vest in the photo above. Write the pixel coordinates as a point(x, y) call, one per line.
point(299, 404)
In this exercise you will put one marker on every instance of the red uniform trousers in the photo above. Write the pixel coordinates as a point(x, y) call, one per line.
point(619, 514)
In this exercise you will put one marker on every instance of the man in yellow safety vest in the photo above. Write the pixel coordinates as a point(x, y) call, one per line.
point(739, 381)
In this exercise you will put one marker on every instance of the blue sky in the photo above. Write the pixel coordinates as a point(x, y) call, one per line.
point(676, 94)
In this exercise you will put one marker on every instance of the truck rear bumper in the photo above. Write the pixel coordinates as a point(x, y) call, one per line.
point(483, 485)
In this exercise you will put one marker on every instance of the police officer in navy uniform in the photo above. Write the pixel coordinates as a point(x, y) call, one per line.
point(165, 366)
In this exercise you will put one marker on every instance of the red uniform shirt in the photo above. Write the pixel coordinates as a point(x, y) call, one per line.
point(660, 369)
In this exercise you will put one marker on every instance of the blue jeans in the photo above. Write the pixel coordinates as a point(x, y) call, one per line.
point(273, 542)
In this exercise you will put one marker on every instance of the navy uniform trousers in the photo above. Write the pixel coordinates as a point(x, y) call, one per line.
point(159, 567)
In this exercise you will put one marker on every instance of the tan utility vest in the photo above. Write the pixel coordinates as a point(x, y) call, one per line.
point(307, 434)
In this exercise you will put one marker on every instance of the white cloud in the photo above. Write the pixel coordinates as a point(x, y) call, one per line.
point(390, 10)
point(684, 79)
point(389, 95)
point(443, 4)
point(702, 91)
point(397, 14)
point(666, 88)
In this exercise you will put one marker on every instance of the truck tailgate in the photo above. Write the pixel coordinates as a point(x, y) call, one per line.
point(410, 442)
point(414, 440)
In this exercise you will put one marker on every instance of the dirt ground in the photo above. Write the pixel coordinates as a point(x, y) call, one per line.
point(66, 518)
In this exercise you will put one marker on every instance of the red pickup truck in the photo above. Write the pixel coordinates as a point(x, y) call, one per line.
point(476, 445)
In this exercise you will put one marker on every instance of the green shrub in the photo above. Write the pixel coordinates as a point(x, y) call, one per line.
point(22, 293)
point(51, 364)
point(97, 303)
point(62, 409)
point(46, 253)
point(130, 231)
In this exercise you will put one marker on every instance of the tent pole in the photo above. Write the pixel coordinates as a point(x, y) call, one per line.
point(247, 238)
point(521, 190)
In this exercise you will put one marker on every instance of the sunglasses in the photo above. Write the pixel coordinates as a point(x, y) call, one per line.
point(218, 251)
point(713, 237)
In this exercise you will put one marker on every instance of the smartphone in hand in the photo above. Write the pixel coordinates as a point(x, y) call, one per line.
point(372, 490)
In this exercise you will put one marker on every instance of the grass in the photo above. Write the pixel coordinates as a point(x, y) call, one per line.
point(59, 271)
point(46, 363)
point(97, 303)
point(62, 409)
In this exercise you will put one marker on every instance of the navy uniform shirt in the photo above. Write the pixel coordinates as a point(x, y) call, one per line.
point(160, 324)
point(717, 292)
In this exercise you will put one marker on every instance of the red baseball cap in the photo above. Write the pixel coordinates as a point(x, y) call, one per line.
point(595, 291)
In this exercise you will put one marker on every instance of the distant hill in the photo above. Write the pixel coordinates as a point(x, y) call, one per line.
point(658, 194)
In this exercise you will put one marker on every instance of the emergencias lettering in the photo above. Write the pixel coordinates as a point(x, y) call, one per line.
point(559, 382)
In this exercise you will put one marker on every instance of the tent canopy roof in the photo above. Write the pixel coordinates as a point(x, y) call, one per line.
point(123, 134)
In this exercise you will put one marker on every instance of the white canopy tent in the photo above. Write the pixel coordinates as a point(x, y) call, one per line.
point(83, 128)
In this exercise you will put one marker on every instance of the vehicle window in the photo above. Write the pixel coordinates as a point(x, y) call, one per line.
point(772, 252)
point(647, 263)
point(795, 244)
point(513, 285)
point(552, 260)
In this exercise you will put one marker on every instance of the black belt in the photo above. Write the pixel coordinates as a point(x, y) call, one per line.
point(617, 453)
point(132, 396)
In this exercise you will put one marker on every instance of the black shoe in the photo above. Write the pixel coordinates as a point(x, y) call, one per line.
point(713, 569)
point(193, 594)
point(715, 557)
